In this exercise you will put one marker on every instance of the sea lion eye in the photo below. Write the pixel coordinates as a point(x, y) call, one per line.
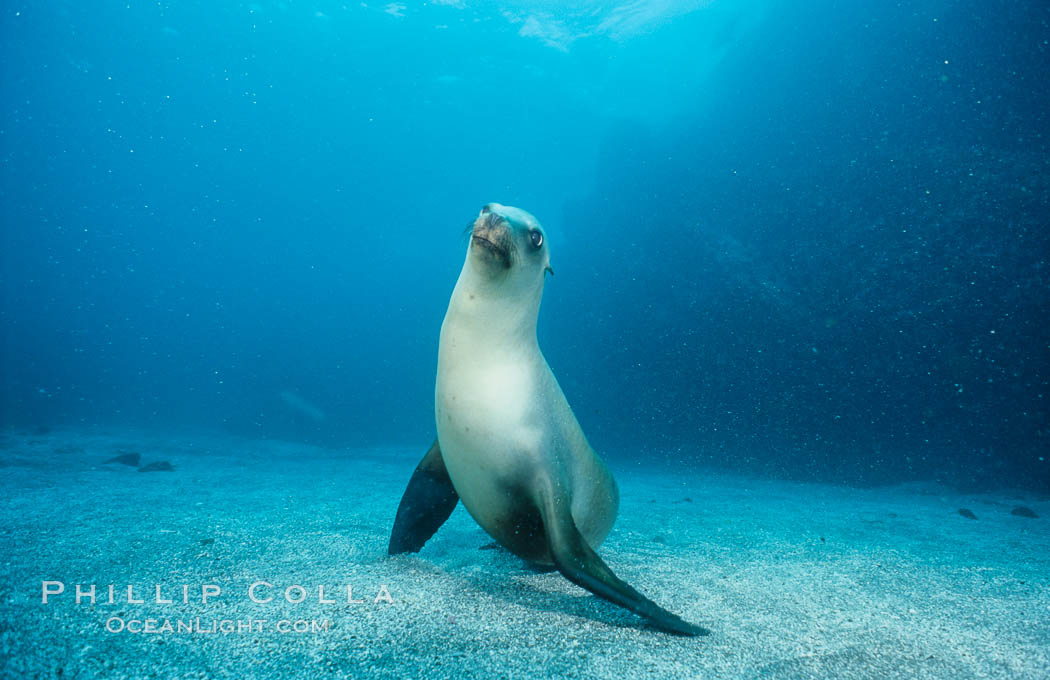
point(536, 238)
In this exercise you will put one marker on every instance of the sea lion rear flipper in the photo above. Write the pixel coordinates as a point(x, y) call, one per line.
point(427, 503)
point(581, 565)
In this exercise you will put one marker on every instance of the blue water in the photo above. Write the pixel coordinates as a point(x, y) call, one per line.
point(805, 240)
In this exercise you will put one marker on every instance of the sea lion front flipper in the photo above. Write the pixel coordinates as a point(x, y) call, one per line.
point(427, 503)
point(581, 565)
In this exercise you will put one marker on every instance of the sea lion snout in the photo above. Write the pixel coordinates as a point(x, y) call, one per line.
point(492, 236)
point(492, 227)
point(491, 221)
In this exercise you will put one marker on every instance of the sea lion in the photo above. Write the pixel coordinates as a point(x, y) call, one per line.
point(508, 445)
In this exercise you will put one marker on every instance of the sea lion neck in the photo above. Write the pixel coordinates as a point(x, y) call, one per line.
point(498, 312)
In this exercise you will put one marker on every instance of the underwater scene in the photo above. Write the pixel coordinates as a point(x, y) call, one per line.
point(456, 339)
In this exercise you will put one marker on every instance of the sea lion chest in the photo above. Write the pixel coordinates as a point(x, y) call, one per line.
point(490, 428)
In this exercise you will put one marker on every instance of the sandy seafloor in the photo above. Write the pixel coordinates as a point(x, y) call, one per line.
point(794, 580)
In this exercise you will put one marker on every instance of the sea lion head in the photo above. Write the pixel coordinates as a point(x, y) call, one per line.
point(508, 245)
